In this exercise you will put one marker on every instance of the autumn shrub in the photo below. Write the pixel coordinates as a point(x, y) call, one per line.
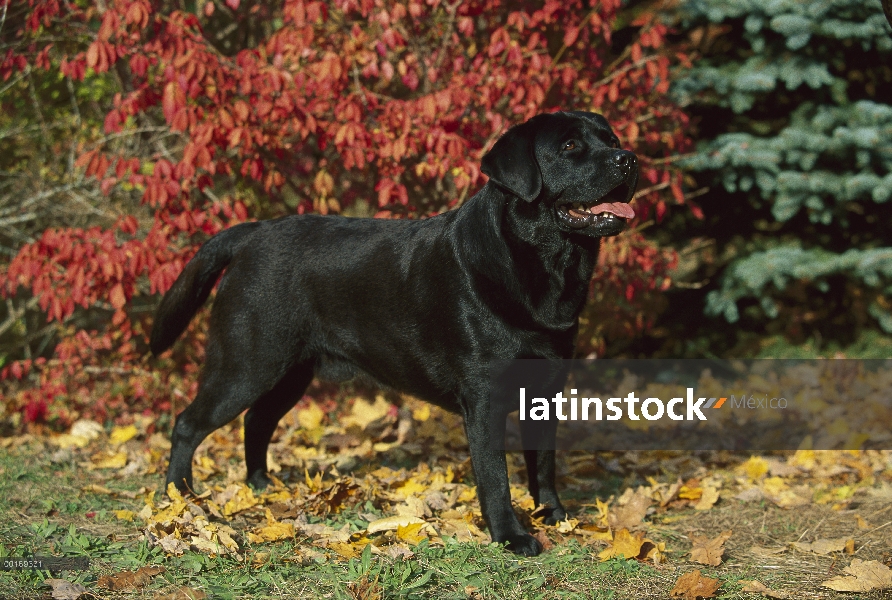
point(246, 110)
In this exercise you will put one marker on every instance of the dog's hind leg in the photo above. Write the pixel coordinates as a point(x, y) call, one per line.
point(222, 395)
point(262, 418)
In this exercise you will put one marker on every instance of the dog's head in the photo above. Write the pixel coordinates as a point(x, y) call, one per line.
point(570, 163)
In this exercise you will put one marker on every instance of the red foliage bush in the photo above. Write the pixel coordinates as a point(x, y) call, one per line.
point(378, 107)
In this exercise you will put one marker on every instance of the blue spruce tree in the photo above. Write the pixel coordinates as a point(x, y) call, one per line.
point(794, 100)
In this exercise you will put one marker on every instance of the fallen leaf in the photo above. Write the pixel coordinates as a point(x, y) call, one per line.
point(119, 435)
point(411, 534)
point(709, 497)
point(757, 587)
point(761, 551)
point(567, 525)
point(755, 467)
point(273, 531)
point(182, 593)
point(392, 523)
point(65, 590)
point(365, 413)
point(310, 417)
point(709, 551)
point(543, 539)
point(863, 576)
point(125, 515)
point(347, 550)
point(694, 585)
point(823, 547)
point(624, 544)
point(128, 580)
point(630, 514)
point(108, 460)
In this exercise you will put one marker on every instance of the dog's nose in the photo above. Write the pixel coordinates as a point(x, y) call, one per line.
point(624, 158)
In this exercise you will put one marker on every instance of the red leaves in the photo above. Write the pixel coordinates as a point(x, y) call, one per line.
point(100, 56)
point(174, 106)
point(389, 104)
point(116, 296)
point(571, 34)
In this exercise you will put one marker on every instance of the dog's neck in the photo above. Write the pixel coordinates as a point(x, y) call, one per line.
point(500, 233)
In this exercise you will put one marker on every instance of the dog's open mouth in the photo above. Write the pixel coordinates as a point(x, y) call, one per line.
point(613, 205)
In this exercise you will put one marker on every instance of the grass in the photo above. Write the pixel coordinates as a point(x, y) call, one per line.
point(44, 510)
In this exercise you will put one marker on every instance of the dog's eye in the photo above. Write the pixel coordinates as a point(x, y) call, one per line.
point(569, 145)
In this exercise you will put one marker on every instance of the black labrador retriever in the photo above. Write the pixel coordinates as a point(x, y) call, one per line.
point(419, 306)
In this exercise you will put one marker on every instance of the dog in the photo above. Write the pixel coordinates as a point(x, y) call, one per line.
point(418, 306)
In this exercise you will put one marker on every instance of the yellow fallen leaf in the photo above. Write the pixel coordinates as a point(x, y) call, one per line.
point(125, 515)
point(411, 534)
point(364, 412)
point(468, 494)
point(273, 530)
point(310, 417)
point(755, 467)
point(686, 493)
point(110, 461)
point(567, 525)
point(243, 500)
point(349, 550)
point(709, 497)
point(422, 413)
point(67, 441)
point(392, 523)
point(863, 576)
point(411, 487)
point(119, 435)
point(624, 545)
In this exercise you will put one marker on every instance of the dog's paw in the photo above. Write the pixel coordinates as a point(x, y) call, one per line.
point(523, 544)
point(552, 516)
point(259, 480)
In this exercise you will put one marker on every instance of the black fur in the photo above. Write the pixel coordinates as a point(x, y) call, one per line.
point(420, 306)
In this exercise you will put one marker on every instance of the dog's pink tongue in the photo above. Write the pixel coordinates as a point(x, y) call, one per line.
point(620, 209)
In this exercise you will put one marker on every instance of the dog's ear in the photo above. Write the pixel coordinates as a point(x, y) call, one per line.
point(512, 163)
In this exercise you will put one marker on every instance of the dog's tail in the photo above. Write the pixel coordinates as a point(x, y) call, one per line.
point(194, 285)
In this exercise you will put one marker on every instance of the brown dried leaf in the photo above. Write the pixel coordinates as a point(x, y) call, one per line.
point(822, 547)
point(547, 544)
point(757, 587)
point(182, 593)
point(65, 590)
point(709, 551)
point(863, 576)
point(631, 513)
point(128, 580)
point(694, 585)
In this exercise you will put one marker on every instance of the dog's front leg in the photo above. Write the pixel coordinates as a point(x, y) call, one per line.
point(538, 441)
point(486, 438)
